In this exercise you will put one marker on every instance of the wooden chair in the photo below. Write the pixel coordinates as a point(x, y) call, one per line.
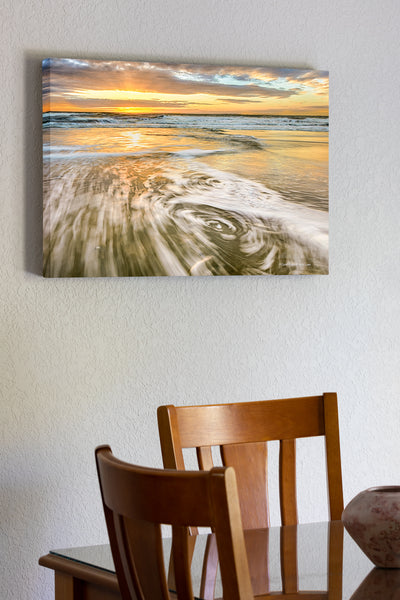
point(137, 500)
point(242, 431)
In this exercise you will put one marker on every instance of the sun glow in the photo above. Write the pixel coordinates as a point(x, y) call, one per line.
point(91, 86)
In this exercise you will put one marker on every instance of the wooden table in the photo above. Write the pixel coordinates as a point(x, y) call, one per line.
point(305, 562)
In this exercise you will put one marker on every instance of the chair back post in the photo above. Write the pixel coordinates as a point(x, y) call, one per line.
point(171, 447)
point(333, 460)
point(335, 560)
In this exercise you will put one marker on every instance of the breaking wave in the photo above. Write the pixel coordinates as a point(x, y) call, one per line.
point(68, 120)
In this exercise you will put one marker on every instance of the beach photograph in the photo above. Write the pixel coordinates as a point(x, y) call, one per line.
point(154, 169)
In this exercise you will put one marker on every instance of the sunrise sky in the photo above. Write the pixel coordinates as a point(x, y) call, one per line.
point(73, 85)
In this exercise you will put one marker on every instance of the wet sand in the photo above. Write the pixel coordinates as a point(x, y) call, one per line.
point(184, 202)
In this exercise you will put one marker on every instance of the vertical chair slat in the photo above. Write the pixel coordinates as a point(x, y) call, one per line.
point(287, 481)
point(204, 458)
point(142, 553)
point(250, 464)
point(232, 554)
point(289, 569)
point(257, 547)
point(182, 558)
point(210, 569)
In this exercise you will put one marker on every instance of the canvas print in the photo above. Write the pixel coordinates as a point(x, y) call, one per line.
point(154, 169)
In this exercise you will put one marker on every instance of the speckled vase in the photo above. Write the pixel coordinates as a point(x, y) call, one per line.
point(372, 519)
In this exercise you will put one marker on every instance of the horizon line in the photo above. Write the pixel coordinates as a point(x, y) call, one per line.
point(184, 114)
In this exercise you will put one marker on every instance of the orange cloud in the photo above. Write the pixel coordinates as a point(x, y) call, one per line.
point(84, 85)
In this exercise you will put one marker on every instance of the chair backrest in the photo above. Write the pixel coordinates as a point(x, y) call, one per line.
point(137, 500)
point(242, 431)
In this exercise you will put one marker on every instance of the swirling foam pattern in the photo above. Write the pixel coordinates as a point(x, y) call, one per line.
point(164, 215)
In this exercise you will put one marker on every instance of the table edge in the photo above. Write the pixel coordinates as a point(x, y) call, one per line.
point(80, 571)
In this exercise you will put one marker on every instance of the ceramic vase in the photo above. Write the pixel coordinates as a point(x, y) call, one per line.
point(372, 519)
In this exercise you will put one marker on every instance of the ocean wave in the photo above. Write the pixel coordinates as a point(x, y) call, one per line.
point(233, 139)
point(118, 146)
point(217, 123)
point(82, 152)
point(150, 217)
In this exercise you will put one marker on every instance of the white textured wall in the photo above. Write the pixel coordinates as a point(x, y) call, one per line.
point(88, 361)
